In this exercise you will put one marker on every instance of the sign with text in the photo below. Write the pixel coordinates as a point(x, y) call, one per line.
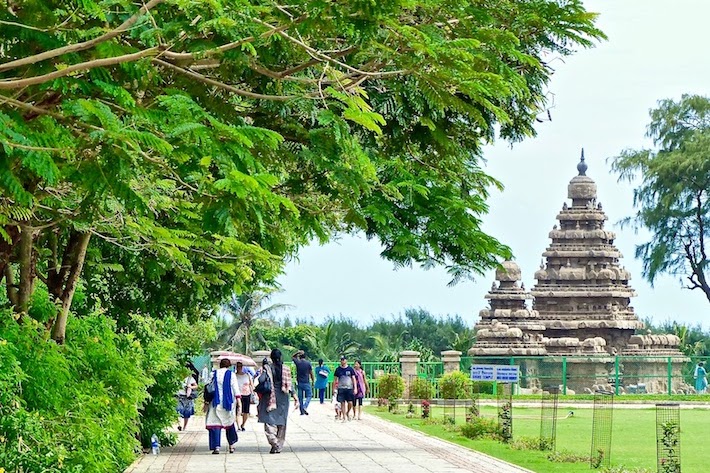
point(499, 373)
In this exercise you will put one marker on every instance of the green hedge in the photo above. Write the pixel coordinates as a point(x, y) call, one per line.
point(75, 407)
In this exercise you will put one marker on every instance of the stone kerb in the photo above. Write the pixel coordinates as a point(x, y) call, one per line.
point(452, 360)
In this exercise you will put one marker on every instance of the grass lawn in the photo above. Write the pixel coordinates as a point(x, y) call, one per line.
point(633, 437)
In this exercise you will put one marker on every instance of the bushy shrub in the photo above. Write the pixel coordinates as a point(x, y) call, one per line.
point(391, 386)
point(75, 407)
point(532, 443)
point(455, 385)
point(420, 389)
point(480, 427)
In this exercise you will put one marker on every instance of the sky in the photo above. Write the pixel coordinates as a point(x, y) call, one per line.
point(656, 50)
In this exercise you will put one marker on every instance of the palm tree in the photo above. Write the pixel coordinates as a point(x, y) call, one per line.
point(245, 309)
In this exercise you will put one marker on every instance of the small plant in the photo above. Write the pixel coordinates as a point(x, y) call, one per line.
point(425, 409)
point(532, 443)
point(449, 419)
point(566, 457)
point(505, 422)
point(420, 389)
point(472, 412)
point(596, 460)
point(391, 388)
point(670, 433)
point(454, 385)
point(480, 427)
point(410, 410)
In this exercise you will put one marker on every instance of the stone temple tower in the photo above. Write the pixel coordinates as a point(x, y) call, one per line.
point(581, 309)
point(582, 291)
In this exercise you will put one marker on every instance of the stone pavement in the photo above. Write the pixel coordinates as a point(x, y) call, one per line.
point(316, 443)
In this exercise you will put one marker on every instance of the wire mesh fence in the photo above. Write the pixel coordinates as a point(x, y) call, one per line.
point(668, 438)
point(548, 418)
point(602, 419)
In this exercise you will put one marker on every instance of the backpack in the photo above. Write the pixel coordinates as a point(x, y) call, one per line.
point(264, 386)
point(210, 388)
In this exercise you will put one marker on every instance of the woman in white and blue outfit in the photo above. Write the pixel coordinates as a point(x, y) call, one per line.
point(222, 411)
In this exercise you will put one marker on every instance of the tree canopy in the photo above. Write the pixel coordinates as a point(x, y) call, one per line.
point(186, 148)
point(672, 198)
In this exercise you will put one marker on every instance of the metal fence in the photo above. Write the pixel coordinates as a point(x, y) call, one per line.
point(667, 375)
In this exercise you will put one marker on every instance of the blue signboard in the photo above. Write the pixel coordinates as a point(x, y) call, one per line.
point(499, 373)
point(483, 372)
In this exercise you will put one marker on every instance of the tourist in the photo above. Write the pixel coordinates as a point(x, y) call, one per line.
point(362, 389)
point(304, 378)
point(322, 374)
point(186, 396)
point(222, 411)
point(346, 387)
point(246, 388)
point(273, 406)
point(701, 379)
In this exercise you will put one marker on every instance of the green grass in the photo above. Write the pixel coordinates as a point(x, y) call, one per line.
point(633, 436)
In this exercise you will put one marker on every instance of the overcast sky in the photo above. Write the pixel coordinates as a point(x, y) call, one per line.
point(656, 50)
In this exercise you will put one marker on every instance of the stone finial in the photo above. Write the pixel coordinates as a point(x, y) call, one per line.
point(564, 206)
point(599, 206)
point(582, 166)
point(554, 227)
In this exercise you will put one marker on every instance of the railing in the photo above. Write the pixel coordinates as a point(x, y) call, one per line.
point(573, 374)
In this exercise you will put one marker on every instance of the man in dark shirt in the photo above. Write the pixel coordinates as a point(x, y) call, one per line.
point(304, 378)
point(346, 385)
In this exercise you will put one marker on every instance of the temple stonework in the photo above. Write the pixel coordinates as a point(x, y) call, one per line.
point(581, 308)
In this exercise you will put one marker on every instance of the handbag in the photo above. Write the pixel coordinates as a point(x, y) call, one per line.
point(323, 373)
point(264, 385)
point(254, 398)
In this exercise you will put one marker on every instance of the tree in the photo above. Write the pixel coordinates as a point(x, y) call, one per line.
point(245, 310)
point(672, 199)
point(207, 142)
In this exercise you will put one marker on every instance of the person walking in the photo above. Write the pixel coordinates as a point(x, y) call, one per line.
point(701, 380)
point(362, 389)
point(304, 380)
point(186, 396)
point(345, 384)
point(246, 388)
point(273, 405)
point(222, 410)
point(322, 374)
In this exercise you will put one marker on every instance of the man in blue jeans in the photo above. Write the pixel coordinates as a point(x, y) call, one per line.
point(304, 378)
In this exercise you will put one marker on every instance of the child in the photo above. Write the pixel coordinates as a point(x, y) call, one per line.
point(336, 405)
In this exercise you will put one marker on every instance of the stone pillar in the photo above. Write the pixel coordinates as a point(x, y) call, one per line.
point(259, 355)
point(452, 361)
point(409, 360)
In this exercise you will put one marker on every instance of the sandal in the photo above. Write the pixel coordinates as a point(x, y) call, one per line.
point(231, 449)
point(215, 451)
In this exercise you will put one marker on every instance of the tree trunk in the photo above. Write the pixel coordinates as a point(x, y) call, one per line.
point(77, 263)
point(27, 274)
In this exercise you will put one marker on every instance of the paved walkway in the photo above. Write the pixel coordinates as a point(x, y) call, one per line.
point(316, 443)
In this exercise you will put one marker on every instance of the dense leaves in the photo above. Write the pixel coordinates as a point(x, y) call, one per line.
point(672, 198)
point(202, 143)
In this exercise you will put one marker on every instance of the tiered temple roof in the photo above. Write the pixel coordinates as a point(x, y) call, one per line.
point(582, 297)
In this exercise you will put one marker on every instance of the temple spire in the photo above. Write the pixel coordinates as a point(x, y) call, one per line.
point(582, 166)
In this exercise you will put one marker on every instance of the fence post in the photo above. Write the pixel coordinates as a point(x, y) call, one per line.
point(616, 375)
point(670, 375)
point(409, 361)
point(451, 360)
point(564, 375)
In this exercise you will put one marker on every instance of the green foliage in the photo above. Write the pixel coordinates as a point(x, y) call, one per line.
point(455, 385)
point(420, 389)
point(73, 407)
point(391, 386)
point(480, 427)
point(531, 443)
point(672, 198)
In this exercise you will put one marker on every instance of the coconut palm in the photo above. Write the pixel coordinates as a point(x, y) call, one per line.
point(245, 309)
